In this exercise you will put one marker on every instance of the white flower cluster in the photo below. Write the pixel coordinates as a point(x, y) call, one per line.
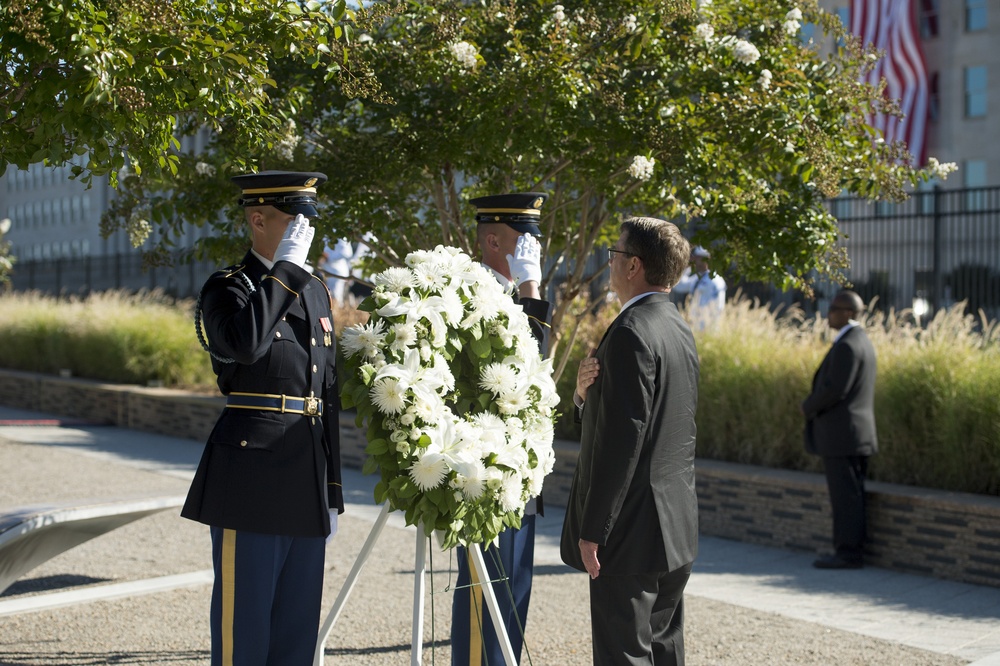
point(630, 23)
point(558, 14)
point(792, 21)
point(745, 52)
point(285, 148)
point(764, 81)
point(940, 169)
point(704, 31)
point(459, 404)
point(641, 167)
point(204, 169)
point(465, 53)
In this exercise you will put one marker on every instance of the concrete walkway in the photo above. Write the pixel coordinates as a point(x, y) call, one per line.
point(947, 618)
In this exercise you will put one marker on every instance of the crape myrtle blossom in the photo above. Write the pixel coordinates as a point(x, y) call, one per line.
point(745, 52)
point(465, 53)
point(792, 21)
point(458, 404)
point(641, 167)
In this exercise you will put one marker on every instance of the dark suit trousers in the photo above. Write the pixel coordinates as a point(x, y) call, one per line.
point(845, 479)
point(639, 619)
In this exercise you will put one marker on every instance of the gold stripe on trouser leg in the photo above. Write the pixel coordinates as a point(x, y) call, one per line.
point(228, 594)
point(475, 613)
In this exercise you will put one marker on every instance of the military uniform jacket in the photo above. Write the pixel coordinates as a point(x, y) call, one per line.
point(266, 471)
point(633, 492)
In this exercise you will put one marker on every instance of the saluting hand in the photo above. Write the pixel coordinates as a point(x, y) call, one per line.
point(586, 374)
point(294, 245)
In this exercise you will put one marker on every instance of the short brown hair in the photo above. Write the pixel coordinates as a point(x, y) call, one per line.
point(661, 247)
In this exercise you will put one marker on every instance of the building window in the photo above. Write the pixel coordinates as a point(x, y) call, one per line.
point(973, 179)
point(928, 18)
point(975, 92)
point(975, 15)
point(933, 98)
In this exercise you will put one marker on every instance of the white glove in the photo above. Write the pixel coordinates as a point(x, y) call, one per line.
point(526, 263)
point(294, 245)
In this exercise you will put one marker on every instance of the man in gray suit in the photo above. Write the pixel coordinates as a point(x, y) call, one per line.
point(840, 427)
point(632, 515)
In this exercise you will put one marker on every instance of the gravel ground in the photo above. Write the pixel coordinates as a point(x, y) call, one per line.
point(375, 626)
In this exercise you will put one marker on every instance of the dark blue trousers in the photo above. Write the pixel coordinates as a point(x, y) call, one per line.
point(510, 565)
point(266, 599)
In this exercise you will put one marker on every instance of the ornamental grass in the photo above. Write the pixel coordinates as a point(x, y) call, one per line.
point(937, 393)
point(937, 400)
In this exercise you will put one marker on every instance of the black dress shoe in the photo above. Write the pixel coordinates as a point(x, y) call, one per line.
point(836, 562)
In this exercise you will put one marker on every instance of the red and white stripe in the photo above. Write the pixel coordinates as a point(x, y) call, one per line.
point(891, 26)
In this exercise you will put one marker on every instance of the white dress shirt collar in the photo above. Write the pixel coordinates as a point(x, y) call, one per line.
point(851, 323)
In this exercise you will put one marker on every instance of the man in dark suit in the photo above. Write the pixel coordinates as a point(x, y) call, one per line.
point(632, 514)
point(840, 427)
point(270, 472)
point(506, 231)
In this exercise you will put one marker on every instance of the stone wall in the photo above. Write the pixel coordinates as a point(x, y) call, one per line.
point(948, 535)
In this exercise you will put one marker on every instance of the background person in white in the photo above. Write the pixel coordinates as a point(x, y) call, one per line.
point(706, 289)
point(336, 260)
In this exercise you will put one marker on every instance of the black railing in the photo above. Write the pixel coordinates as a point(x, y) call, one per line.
point(79, 276)
point(935, 249)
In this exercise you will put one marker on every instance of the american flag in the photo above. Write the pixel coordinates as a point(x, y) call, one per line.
point(891, 26)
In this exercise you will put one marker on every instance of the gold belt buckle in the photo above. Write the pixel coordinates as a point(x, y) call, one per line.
point(310, 406)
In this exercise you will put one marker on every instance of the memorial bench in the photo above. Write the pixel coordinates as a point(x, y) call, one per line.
point(32, 535)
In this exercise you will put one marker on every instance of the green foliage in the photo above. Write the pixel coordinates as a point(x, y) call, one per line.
point(612, 109)
point(118, 81)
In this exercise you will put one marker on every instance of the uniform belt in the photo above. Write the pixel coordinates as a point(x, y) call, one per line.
point(285, 404)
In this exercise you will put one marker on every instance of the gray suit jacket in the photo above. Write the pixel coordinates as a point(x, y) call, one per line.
point(633, 492)
point(840, 411)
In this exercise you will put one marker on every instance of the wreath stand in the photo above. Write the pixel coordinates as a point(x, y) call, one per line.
point(419, 569)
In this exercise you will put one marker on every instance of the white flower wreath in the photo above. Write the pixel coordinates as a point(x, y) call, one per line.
point(458, 404)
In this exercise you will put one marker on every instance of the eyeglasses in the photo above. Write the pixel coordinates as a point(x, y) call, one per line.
point(612, 251)
point(834, 308)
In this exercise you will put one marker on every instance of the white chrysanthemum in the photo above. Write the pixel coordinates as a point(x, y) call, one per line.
point(465, 53)
point(453, 307)
point(704, 31)
point(471, 479)
point(389, 395)
point(765, 79)
point(406, 337)
point(396, 279)
point(428, 471)
point(745, 52)
point(512, 403)
point(430, 275)
point(630, 24)
point(641, 167)
point(363, 338)
point(509, 494)
point(498, 378)
point(492, 431)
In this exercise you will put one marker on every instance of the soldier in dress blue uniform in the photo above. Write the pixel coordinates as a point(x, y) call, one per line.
point(507, 227)
point(270, 472)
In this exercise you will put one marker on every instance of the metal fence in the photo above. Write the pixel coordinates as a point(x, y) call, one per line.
point(79, 276)
point(934, 249)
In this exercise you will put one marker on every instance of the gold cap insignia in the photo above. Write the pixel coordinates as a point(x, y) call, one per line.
point(310, 182)
point(537, 203)
point(260, 199)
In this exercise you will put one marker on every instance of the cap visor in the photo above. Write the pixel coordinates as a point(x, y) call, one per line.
point(525, 228)
point(294, 209)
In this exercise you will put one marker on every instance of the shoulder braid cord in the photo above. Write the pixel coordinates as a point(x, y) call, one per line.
point(199, 328)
